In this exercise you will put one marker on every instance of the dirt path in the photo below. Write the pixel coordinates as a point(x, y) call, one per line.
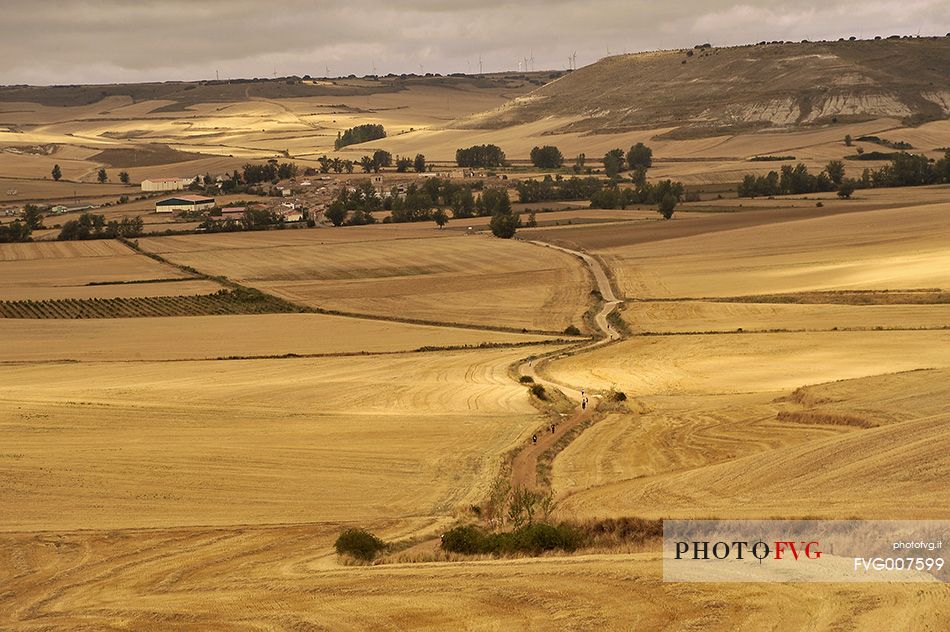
point(524, 466)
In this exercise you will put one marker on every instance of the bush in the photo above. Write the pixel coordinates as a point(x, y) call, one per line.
point(359, 544)
point(619, 396)
point(538, 391)
point(572, 330)
point(526, 379)
point(534, 538)
point(467, 539)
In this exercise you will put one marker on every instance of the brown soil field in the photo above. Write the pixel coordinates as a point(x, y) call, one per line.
point(204, 337)
point(471, 280)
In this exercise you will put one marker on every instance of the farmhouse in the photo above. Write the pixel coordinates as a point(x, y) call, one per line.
point(184, 203)
point(165, 184)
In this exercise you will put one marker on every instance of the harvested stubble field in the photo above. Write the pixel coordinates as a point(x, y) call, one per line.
point(272, 579)
point(755, 362)
point(238, 442)
point(700, 316)
point(100, 269)
point(895, 467)
point(208, 337)
point(470, 280)
point(902, 248)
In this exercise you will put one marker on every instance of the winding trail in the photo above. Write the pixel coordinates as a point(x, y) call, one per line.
point(524, 466)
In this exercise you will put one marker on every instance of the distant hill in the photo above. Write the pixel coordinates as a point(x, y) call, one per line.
point(706, 90)
point(185, 93)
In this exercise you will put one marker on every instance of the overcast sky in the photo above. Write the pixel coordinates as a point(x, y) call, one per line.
point(104, 41)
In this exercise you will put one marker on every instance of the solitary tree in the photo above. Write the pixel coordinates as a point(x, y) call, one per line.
point(419, 164)
point(667, 205)
point(835, 171)
point(848, 140)
point(124, 177)
point(33, 217)
point(640, 157)
point(846, 189)
point(440, 217)
point(336, 213)
point(103, 176)
point(579, 163)
point(613, 162)
point(504, 225)
point(57, 172)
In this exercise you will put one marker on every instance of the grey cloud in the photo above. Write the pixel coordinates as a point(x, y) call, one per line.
point(71, 41)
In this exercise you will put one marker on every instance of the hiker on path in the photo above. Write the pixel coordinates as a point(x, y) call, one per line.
point(534, 439)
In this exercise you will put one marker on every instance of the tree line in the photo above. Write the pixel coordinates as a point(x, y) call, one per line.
point(904, 170)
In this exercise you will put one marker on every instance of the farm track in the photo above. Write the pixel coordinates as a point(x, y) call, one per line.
point(524, 465)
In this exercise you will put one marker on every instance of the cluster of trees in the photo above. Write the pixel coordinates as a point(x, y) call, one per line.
point(377, 161)
point(905, 170)
point(484, 156)
point(547, 157)
point(268, 172)
point(638, 158)
point(405, 164)
point(359, 134)
point(374, 164)
point(336, 165)
point(422, 203)
point(14, 232)
point(793, 180)
point(666, 194)
point(251, 219)
point(354, 208)
point(557, 189)
point(95, 226)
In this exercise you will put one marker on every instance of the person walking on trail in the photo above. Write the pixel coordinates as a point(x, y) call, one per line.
point(534, 439)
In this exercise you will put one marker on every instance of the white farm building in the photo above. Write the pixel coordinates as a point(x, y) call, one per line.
point(166, 184)
point(184, 203)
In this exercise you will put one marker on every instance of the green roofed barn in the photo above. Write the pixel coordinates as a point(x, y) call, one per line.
point(184, 203)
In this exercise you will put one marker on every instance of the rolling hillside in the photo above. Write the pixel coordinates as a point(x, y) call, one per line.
point(708, 91)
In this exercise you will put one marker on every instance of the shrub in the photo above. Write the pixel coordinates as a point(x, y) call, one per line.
point(538, 391)
point(526, 379)
point(534, 538)
point(619, 396)
point(359, 543)
point(467, 539)
point(572, 330)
